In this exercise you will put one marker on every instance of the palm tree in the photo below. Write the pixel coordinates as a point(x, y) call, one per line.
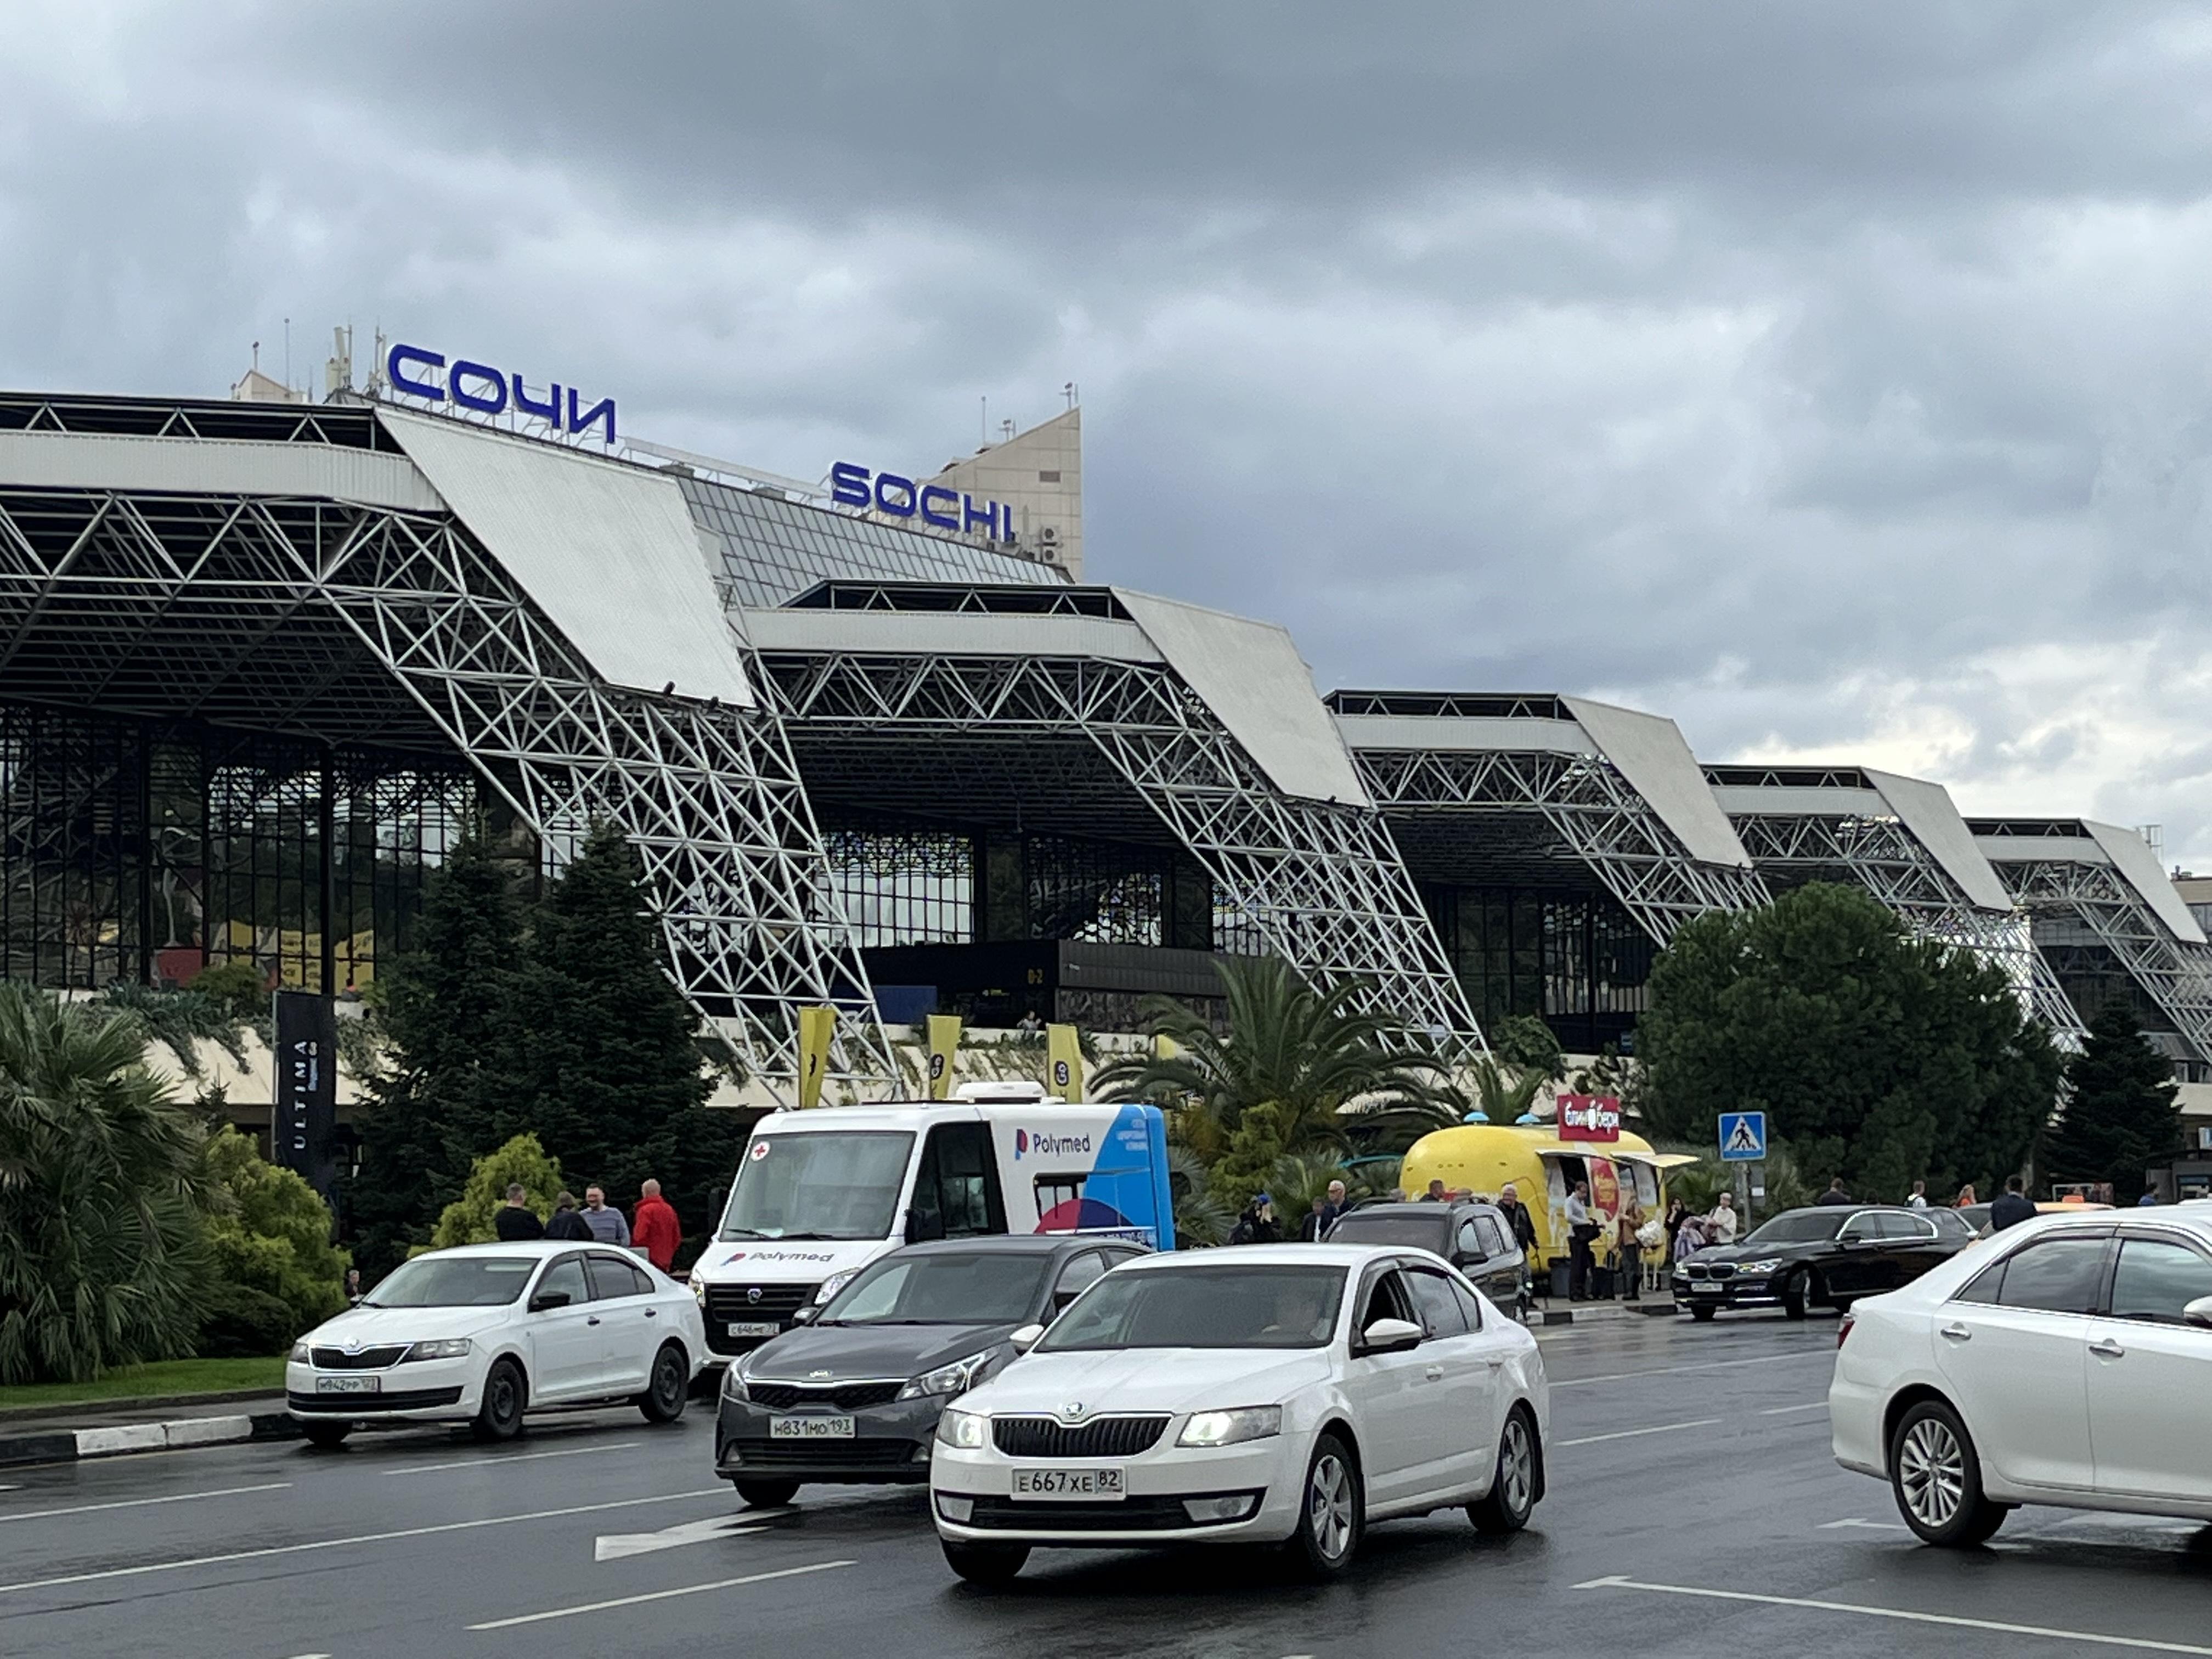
point(103, 1183)
point(1502, 1097)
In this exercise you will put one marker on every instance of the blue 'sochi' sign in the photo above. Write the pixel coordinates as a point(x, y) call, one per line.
point(490, 391)
point(902, 498)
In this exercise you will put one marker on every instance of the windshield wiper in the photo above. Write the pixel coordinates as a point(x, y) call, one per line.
point(743, 1232)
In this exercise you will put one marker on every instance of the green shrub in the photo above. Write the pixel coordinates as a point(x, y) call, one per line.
point(240, 987)
point(270, 1234)
point(468, 1219)
point(239, 1322)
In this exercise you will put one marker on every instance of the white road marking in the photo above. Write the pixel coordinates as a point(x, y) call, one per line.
point(1676, 1371)
point(1863, 1610)
point(1785, 1411)
point(663, 1595)
point(1865, 1526)
point(2128, 1523)
point(1631, 1434)
point(138, 1502)
point(341, 1543)
point(614, 1546)
point(520, 1457)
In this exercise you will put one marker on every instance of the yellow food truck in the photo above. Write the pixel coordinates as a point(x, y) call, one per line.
point(1482, 1157)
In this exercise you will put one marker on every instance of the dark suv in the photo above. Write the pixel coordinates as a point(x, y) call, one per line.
point(1829, 1254)
point(1475, 1238)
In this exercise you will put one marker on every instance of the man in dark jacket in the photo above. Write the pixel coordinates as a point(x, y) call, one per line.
point(1836, 1194)
point(566, 1222)
point(1257, 1224)
point(2012, 1208)
point(516, 1220)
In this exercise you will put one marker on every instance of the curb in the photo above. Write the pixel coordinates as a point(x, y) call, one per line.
point(149, 1403)
point(116, 1440)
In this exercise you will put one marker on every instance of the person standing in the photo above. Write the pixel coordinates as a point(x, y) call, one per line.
point(656, 1230)
point(1626, 1225)
point(1919, 1198)
point(1581, 1232)
point(1315, 1227)
point(1522, 1228)
point(603, 1221)
point(1336, 1206)
point(2013, 1206)
point(1257, 1224)
point(566, 1222)
point(1720, 1225)
point(1965, 1201)
point(515, 1220)
point(1435, 1193)
point(1835, 1195)
point(1677, 1213)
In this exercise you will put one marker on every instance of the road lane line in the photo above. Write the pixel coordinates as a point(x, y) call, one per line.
point(1631, 1434)
point(1856, 1524)
point(1865, 1610)
point(341, 1543)
point(1785, 1411)
point(1676, 1371)
point(138, 1502)
point(523, 1457)
point(663, 1595)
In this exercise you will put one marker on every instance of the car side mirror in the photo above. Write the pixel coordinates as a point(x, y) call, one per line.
point(2199, 1312)
point(546, 1299)
point(801, 1315)
point(1026, 1338)
point(1389, 1336)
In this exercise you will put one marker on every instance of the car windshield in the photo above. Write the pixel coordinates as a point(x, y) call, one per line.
point(981, 1287)
point(834, 1184)
point(1275, 1305)
point(1427, 1230)
point(453, 1281)
point(1800, 1227)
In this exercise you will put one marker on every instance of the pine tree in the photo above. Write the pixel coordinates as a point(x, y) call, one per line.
point(602, 1062)
point(2123, 1118)
point(446, 1007)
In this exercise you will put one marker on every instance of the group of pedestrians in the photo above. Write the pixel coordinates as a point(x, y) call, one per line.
point(655, 1233)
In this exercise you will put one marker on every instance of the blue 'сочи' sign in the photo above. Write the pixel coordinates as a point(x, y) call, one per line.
point(902, 498)
point(490, 391)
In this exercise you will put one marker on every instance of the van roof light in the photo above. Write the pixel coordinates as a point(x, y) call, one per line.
point(1000, 1091)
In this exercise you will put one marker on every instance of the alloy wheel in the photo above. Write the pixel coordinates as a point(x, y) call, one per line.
point(1931, 1469)
point(1516, 1466)
point(1329, 1501)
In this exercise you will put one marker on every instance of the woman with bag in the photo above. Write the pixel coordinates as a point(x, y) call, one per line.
point(1628, 1238)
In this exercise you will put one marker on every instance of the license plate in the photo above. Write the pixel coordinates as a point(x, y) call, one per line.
point(810, 1427)
point(1068, 1483)
point(754, 1327)
point(348, 1385)
point(1704, 1287)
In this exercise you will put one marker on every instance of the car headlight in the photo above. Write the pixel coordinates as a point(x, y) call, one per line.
point(957, 1378)
point(300, 1356)
point(450, 1347)
point(966, 1429)
point(698, 1289)
point(1228, 1428)
point(834, 1283)
point(733, 1383)
point(1757, 1269)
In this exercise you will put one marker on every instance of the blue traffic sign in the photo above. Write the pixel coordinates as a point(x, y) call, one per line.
point(1743, 1137)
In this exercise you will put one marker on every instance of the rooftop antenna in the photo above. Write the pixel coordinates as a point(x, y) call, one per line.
point(257, 356)
point(287, 353)
point(984, 422)
point(1068, 392)
point(1005, 429)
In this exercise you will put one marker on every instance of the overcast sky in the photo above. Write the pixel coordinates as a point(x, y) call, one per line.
point(1834, 379)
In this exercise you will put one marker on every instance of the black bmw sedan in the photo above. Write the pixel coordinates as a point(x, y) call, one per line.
point(853, 1393)
point(1828, 1255)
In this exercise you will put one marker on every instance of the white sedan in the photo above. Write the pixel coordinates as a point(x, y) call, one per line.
point(1287, 1393)
point(2063, 1361)
point(485, 1332)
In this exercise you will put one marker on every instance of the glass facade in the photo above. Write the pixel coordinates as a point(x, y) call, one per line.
point(1579, 960)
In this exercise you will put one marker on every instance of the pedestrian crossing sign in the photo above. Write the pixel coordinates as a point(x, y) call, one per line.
point(1743, 1137)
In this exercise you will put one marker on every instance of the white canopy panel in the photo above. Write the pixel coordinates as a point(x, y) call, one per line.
point(226, 466)
point(2132, 856)
point(1649, 752)
point(608, 550)
point(1926, 808)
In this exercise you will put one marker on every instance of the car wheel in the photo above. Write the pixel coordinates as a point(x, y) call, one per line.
point(1333, 1513)
point(1795, 1290)
point(1937, 1477)
point(1505, 1507)
point(1702, 1311)
point(985, 1564)
point(670, 1388)
point(500, 1416)
point(766, 1494)
point(326, 1435)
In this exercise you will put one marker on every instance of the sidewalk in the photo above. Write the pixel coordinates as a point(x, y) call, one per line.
point(1559, 1313)
point(63, 1434)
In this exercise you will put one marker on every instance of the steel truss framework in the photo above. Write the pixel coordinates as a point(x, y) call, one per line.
point(1588, 804)
point(1883, 856)
point(1320, 883)
point(305, 616)
point(2175, 973)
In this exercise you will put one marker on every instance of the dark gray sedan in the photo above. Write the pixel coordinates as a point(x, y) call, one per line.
point(853, 1393)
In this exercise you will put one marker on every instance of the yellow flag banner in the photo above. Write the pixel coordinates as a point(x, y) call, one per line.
point(1063, 1062)
point(817, 1026)
point(943, 1044)
point(1165, 1048)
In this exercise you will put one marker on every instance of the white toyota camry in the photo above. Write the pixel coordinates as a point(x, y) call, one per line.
point(485, 1332)
point(1289, 1393)
point(2063, 1361)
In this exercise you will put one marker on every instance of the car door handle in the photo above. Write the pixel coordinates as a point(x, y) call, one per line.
point(1956, 1332)
point(653, 1313)
point(1435, 1373)
point(594, 1320)
point(2106, 1348)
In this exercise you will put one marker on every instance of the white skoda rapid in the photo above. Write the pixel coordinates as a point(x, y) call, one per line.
point(1282, 1393)
point(2063, 1361)
point(485, 1332)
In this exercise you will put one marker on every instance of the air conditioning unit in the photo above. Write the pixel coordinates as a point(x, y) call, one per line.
point(1048, 534)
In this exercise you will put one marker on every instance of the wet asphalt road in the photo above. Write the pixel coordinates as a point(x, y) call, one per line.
point(1693, 1509)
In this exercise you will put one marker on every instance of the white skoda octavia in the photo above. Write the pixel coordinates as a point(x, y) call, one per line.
point(1288, 1393)
point(485, 1332)
point(2063, 1361)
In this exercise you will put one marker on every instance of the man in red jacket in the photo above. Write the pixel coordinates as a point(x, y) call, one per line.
point(654, 1229)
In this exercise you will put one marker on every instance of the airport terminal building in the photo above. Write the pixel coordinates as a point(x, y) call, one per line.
point(262, 662)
